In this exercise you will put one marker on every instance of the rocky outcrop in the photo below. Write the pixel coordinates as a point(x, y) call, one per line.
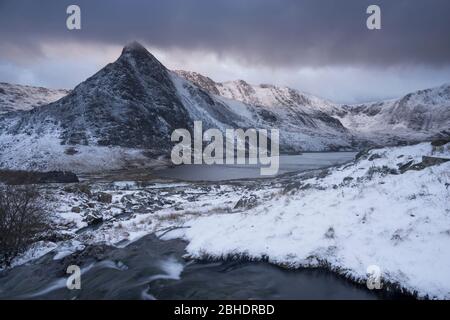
point(29, 177)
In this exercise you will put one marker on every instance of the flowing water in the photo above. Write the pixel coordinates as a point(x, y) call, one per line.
point(154, 269)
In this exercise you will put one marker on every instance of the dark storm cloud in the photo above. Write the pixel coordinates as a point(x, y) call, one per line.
point(272, 33)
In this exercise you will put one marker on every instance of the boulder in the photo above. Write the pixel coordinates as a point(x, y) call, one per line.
point(76, 209)
point(104, 197)
point(246, 202)
point(426, 162)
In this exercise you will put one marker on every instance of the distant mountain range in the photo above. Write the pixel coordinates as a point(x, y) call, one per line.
point(123, 117)
point(416, 117)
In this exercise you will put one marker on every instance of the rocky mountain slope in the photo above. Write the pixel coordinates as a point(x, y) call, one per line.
point(281, 106)
point(416, 117)
point(14, 97)
point(124, 115)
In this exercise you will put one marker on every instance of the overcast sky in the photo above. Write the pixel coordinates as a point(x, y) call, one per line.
point(318, 46)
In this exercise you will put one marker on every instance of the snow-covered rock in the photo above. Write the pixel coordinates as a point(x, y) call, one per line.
point(14, 97)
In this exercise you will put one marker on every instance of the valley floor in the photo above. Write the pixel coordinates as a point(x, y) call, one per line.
point(388, 208)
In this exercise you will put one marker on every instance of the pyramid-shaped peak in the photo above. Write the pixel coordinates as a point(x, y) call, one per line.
point(134, 46)
point(137, 55)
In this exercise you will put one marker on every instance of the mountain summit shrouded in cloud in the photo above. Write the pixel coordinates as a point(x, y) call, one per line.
point(322, 47)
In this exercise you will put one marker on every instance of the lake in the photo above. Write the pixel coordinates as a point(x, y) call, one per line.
point(288, 163)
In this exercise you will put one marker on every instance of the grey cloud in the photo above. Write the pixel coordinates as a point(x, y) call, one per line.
point(267, 32)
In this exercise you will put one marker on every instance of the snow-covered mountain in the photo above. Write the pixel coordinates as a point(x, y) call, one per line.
point(417, 116)
point(125, 114)
point(119, 115)
point(302, 119)
point(266, 95)
point(285, 104)
point(14, 97)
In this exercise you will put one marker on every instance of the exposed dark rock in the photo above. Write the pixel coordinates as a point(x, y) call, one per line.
point(76, 209)
point(363, 154)
point(293, 186)
point(104, 197)
point(330, 234)
point(322, 174)
point(93, 219)
point(426, 162)
point(432, 161)
point(97, 252)
point(403, 167)
point(247, 202)
point(79, 188)
point(347, 180)
point(57, 177)
point(374, 156)
point(440, 142)
point(71, 151)
point(384, 170)
point(202, 81)
point(13, 177)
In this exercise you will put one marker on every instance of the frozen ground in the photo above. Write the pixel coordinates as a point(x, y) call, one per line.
point(371, 212)
point(359, 215)
point(46, 153)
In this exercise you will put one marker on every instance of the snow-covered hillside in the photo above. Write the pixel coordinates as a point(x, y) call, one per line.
point(388, 208)
point(285, 107)
point(417, 116)
point(14, 97)
point(361, 214)
point(266, 95)
point(301, 128)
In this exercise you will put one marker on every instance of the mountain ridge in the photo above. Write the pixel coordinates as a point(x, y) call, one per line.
point(123, 116)
point(16, 97)
point(405, 119)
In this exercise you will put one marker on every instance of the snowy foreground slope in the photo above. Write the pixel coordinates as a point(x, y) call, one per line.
point(359, 215)
point(346, 218)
